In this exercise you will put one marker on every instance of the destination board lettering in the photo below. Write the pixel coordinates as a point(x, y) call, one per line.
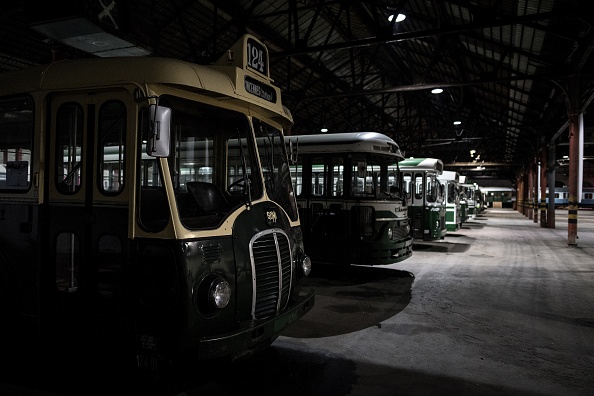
point(260, 89)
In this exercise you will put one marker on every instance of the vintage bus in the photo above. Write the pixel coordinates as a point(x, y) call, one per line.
point(480, 199)
point(146, 207)
point(426, 197)
point(498, 197)
point(349, 192)
point(468, 191)
point(450, 180)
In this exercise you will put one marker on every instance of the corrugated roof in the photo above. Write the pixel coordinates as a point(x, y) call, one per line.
point(505, 66)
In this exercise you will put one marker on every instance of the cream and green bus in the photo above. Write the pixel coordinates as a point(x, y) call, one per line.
point(450, 180)
point(468, 191)
point(350, 197)
point(146, 208)
point(426, 197)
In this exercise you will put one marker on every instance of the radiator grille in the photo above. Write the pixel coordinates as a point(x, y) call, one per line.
point(271, 272)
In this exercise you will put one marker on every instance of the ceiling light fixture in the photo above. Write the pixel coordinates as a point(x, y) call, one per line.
point(436, 90)
point(84, 35)
point(324, 130)
point(457, 122)
point(399, 17)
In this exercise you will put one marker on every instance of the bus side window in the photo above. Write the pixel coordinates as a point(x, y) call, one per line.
point(112, 140)
point(16, 127)
point(69, 141)
point(418, 186)
point(318, 176)
point(407, 184)
point(337, 176)
point(297, 176)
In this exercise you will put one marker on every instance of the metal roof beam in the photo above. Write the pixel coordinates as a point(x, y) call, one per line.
point(415, 35)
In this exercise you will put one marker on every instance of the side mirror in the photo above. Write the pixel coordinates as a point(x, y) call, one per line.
point(158, 142)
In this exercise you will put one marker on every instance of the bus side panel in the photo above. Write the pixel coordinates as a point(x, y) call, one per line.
point(82, 292)
point(324, 228)
point(417, 221)
point(451, 222)
point(18, 268)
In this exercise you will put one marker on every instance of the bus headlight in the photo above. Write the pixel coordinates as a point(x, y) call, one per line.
point(219, 293)
point(211, 294)
point(390, 233)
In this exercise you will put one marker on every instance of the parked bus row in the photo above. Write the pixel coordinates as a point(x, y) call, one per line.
point(361, 202)
point(439, 200)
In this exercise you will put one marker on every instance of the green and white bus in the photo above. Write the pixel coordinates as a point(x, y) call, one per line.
point(146, 209)
point(350, 197)
point(468, 191)
point(426, 197)
point(450, 180)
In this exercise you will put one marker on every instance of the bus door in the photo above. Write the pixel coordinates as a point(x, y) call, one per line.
point(326, 220)
point(417, 208)
point(86, 222)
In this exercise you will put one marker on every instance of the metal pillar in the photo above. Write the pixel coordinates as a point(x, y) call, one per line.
point(520, 193)
point(536, 185)
point(543, 185)
point(574, 162)
point(529, 191)
point(572, 202)
point(551, 165)
point(526, 193)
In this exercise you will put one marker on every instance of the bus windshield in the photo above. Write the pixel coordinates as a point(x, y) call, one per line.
point(213, 164)
point(377, 177)
point(434, 190)
point(275, 167)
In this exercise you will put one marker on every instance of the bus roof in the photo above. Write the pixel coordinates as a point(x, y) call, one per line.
point(449, 175)
point(422, 164)
point(346, 142)
point(497, 189)
point(223, 82)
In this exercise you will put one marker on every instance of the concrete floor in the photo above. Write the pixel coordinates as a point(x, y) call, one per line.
point(500, 307)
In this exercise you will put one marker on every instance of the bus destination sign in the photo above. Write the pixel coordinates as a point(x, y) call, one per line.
point(259, 89)
point(257, 57)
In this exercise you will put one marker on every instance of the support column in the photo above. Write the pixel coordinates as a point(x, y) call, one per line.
point(551, 166)
point(535, 189)
point(574, 160)
point(529, 192)
point(526, 193)
point(521, 184)
point(572, 202)
point(520, 193)
point(543, 186)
